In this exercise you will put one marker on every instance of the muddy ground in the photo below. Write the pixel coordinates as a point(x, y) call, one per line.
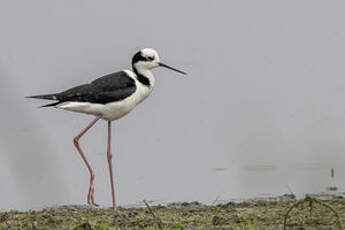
point(310, 213)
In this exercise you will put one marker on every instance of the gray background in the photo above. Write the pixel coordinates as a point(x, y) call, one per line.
point(261, 112)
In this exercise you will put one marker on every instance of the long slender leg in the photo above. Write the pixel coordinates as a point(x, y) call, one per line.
point(109, 156)
point(90, 195)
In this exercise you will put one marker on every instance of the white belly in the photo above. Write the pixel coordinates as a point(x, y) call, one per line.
point(112, 110)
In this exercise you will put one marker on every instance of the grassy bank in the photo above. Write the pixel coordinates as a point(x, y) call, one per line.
point(268, 214)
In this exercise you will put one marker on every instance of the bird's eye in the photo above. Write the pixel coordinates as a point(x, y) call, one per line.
point(150, 58)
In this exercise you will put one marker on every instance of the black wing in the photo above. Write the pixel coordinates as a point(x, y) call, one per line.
point(109, 88)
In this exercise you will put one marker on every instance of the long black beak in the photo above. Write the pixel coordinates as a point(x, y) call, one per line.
point(169, 67)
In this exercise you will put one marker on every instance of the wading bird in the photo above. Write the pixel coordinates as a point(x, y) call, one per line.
point(109, 98)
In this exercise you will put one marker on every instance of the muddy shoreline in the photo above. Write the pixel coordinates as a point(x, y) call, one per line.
point(319, 212)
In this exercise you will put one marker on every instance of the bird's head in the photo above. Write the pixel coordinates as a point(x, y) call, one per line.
point(147, 59)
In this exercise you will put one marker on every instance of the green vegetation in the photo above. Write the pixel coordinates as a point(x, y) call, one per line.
point(255, 215)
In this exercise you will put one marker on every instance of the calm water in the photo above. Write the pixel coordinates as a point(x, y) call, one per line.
point(260, 113)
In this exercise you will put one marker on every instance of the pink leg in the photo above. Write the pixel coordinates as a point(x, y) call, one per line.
point(109, 156)
point(90, 195)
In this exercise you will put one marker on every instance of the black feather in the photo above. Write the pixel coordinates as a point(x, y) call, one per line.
point(50, 105)
point(110, 88)
point(44, 96)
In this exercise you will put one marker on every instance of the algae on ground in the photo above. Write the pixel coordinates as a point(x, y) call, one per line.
point(236, 216)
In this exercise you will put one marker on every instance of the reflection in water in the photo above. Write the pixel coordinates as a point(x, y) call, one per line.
point(311, 166)
point(219, 169)
point(260, 168)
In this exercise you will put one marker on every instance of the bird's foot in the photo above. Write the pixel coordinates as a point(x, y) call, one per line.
point(90, 197)
point(93, 204)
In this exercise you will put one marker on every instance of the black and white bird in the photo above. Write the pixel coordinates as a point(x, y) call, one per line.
point(109, 98)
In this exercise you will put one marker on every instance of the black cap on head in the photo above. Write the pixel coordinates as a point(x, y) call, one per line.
point(138, 57)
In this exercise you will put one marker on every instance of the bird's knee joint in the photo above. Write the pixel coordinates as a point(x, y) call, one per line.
point(110, 156)
point(76, 141)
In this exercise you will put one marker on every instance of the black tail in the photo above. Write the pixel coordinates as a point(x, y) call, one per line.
point(45, 96)
point(50, 105)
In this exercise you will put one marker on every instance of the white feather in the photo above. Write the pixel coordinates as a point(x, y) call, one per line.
point(114, 110)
